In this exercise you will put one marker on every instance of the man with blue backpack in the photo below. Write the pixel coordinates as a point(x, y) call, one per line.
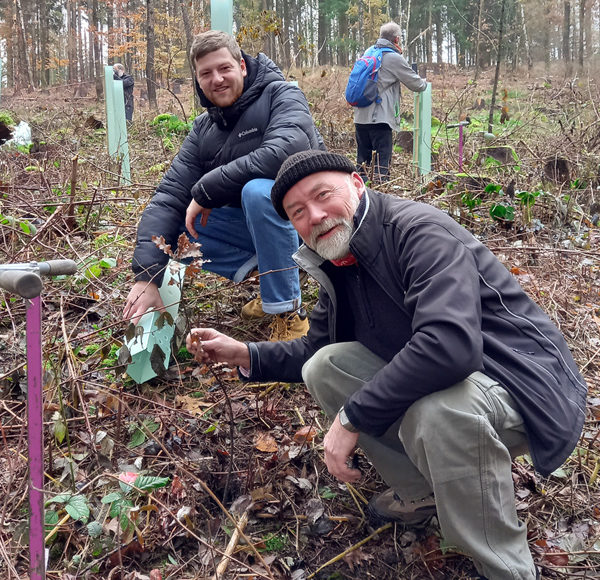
point(374, 92)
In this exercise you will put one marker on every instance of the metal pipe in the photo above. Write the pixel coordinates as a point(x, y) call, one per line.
point(24, 280)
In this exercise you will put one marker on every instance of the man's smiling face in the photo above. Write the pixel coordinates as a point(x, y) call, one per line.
point(321, 207)
point(221, 77)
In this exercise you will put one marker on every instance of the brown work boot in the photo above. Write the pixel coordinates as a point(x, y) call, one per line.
point(388, 507)
point(289, 325)
point(253, 310)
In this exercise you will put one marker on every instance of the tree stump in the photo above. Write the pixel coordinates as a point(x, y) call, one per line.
point(557, 170)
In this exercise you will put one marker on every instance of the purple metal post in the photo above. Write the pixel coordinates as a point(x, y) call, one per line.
point(460, 147)
point(35, 435)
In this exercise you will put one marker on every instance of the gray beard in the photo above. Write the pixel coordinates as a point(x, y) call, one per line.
point(336, 246)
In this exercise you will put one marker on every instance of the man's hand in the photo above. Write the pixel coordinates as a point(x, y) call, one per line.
point(192, 213)
point(142, 296)
point(209, 345)
point(339, 443)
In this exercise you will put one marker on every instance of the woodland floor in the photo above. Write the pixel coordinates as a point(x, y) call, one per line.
point(200, 437)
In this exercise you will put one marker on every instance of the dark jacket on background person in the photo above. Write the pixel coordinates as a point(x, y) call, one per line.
point(437, 305)
point(226, 148)
point(128, 83)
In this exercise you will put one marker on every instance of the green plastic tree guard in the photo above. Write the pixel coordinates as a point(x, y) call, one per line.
point(116, 126)
point(221, 15)
point(422, 131)
point(150, 348)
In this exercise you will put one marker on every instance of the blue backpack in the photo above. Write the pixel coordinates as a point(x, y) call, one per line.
point(361, 89)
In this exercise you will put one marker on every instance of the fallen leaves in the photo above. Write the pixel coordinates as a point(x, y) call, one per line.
point(357, 558)
point(305, 435)
point(265, 443)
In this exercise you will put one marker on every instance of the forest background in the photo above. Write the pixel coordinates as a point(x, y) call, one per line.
point(159, 480)
point(50, 42)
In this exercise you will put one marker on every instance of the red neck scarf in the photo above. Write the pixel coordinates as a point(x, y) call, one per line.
point(348, 260)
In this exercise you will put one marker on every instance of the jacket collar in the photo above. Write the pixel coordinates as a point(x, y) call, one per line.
point(361, 244)
point(384, 43)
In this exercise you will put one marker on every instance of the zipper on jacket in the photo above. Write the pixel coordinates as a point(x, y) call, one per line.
point(529, 357)
point(362, 298)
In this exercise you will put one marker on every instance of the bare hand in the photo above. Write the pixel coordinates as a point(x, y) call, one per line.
point(209, 345)
point(142, 296)
point(339, 443)
point(192, 213)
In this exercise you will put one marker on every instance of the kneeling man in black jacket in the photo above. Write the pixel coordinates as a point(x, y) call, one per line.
point(425, 352)
point(218, 187)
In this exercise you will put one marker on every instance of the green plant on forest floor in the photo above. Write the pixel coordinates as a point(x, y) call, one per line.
point(167, 125)
point(125, 506)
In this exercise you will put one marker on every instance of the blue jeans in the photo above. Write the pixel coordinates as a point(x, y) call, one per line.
point(238, 241)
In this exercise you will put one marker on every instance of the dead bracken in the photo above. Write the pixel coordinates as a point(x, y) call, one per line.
point(195, 469)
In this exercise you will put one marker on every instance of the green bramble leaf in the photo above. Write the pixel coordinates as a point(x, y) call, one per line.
point(77, 508)
point(148, 483)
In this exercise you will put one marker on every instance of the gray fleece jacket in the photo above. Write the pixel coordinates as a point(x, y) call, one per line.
point(394, 71)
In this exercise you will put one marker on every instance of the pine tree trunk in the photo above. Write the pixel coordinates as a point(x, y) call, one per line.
point(150, 47)
point(439, 37)
point(526, 40)
point(581, 32)
point(81, 76)
point(71, 42)
point(497, 75)
point(98, 69)
point(189, 38)
point(23, 49)
point(429, 35)
point(588, 29)
point(10, 45)
point(343, 35)
point(478, 65)
point(566, 37)
point(322, 35)
point(284, 36)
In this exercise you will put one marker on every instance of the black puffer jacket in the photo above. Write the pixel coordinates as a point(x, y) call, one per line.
point(454, 309)
point(226, 148)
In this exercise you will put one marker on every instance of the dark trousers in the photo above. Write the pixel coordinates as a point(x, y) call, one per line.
point(374, 137)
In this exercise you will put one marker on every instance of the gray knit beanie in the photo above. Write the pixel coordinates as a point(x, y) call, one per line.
point(302, 164)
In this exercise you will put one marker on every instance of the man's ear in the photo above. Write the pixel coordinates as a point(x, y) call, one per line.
point(243, 67)
point(358, 183)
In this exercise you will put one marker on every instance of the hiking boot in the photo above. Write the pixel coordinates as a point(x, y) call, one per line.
point(388, 507)
point(253, 310)
point(289, 325)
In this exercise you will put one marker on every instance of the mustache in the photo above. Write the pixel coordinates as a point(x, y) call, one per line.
point(323, 227)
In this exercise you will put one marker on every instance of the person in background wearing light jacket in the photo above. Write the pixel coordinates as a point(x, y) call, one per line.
point(218, 186)
point(374, 124)
point(424, 351)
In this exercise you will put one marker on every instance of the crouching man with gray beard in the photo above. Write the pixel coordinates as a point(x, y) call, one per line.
point(425, 352)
